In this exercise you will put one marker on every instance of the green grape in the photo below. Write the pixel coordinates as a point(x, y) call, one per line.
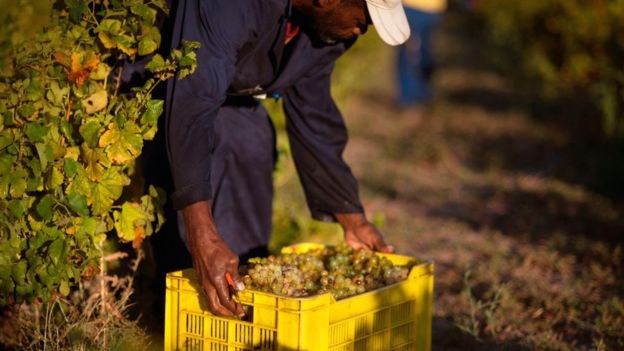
point(340, 270)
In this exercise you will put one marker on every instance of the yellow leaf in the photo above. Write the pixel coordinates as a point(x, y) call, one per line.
point(101, 72)
point(121, 145)
point(81, 66)
point(130, 223)
point(106, 40)
point(124, 43)
point(72, 152)
point(107, 190)
point(96, 162)
point(96, 102)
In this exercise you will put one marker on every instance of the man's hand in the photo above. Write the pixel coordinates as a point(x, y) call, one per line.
point(212, 259)
point(362, 234)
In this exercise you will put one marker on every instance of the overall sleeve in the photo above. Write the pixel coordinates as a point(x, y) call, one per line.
point(193, 102)
point(318, 136)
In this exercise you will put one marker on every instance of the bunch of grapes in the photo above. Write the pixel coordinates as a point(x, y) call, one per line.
point(340, 270)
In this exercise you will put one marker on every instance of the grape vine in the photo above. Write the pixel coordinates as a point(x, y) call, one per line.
point(70, 138)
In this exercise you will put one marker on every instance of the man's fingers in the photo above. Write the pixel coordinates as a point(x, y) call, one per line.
point(223, 291)
point(356, 244)
point(214, 302)
point(381, 246)
point(235, 281)
point(386, 249)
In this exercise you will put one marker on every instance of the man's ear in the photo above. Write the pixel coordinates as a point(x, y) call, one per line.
point(326, 3)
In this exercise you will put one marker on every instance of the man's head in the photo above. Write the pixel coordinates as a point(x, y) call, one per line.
point(333, 20)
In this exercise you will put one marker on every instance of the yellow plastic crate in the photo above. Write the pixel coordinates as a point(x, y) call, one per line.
point(395, 317)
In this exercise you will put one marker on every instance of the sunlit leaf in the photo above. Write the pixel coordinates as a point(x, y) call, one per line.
point(17, 182)
point(125, 43)
point(56, 94)
point(56, 251)
point(72, 153)
point(78, 66)
point(79, 185)
point(107, 41)
point(107, 190)
point(55, 179)
point(150, 41)
point(96, 102)
point(6, 138)
point(71, 167)
point(90, 132)
point(34, 90)
point(110, 26)
point(35, 132)
point(156, 63)
point(147, 45)
point(26, 110)
point(101, 73)
point(44, 153)
point(146, 13)
point(121, 145)
point(64, 288)
point(153, 110)
point(96, 162)
point(130, 222)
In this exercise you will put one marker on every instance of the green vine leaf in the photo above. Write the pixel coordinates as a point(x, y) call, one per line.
point(147, 14)
point(44, 207)
point(35, 132)
point(78, 203)
point(90, 132)
point(107, 190)
point(95, 161)
point(121, 145)
point(130, 222)
point(55, 179)
point(150, 41)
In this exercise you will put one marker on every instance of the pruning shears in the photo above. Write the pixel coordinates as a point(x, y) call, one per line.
point(234, 287)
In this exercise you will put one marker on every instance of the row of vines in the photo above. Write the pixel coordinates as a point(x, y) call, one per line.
point(70, 136)
point(567, 47)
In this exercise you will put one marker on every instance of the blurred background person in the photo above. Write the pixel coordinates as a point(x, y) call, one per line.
point(415, 60)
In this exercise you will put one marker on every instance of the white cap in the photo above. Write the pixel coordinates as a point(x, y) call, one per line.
point(389, 20)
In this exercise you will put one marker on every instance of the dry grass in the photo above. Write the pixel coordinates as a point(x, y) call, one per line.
point(93, 318)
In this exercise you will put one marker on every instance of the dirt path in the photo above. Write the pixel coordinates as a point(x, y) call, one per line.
point(525, 259)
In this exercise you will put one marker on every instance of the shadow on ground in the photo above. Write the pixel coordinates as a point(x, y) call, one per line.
point(448, 337)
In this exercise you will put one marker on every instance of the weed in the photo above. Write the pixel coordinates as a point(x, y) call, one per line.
point(481, 316)
point(92, 317)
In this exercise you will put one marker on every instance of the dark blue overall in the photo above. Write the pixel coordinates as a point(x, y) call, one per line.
point(220, 141)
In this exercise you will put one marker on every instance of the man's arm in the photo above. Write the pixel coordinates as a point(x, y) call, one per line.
point(193, 102)
point(318, 137)
point(212, 258)
point(192, 105)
